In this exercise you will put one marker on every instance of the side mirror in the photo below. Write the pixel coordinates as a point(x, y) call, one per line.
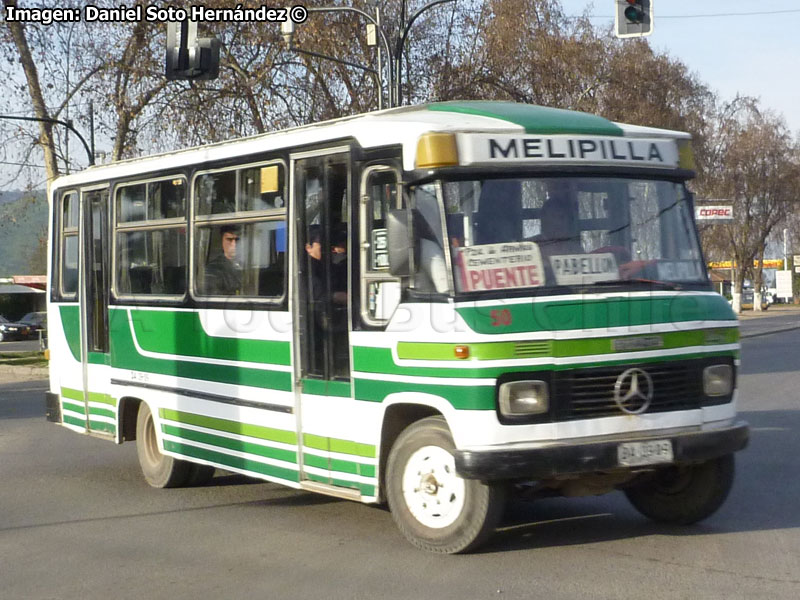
point(397, 234)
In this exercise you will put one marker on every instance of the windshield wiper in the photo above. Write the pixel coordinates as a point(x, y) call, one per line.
point(670, 285)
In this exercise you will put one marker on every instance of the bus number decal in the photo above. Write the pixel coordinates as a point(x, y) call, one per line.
point(500, 317)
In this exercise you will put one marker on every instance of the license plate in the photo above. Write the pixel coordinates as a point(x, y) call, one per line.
point(633, 454)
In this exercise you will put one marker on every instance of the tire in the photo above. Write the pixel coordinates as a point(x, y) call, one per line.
point(433, 507)
point(160, 470)
point(200, 475)
point(684, 494)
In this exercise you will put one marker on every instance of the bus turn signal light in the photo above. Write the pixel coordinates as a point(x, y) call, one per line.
point(437, 150)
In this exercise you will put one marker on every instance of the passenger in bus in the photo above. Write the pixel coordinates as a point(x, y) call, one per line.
point(559, 233)
point(338, 264)
point(223, 273)
point(499, 218)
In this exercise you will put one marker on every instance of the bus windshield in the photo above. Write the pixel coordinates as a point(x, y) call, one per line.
point(568, 231)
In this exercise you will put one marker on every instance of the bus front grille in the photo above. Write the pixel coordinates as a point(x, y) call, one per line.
point(589, 393)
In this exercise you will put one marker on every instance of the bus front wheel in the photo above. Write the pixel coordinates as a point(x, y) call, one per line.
point(684, 494)
point(433, 507)
point(160, 470)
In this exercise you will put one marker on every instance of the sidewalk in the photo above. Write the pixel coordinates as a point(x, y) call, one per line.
point(772, 311)
point(9, 373)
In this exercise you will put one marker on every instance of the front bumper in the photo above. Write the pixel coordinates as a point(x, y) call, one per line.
point(575, 457)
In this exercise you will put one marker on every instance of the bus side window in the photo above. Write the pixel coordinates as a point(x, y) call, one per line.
point(150, 245)
point(216, 193)
point(69, 245)
point(380, 291)
point(240, 232)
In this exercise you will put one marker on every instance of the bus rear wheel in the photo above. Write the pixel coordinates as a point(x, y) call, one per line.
point(433, 507)
point(684, 494)
point(159, 470)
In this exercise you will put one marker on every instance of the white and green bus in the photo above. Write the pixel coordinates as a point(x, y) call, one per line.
point(425, 306)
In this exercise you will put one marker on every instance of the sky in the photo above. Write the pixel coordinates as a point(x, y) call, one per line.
point(750, 54)
point(753, 50)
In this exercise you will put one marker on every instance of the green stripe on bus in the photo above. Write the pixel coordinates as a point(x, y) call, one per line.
point(98, 358)
point(322, 387)
point(481, 397)
point(354, 468)
point(380, 360)
point(354, 448)
point(71, 324)
point(65, 418)
point(340, 466)
point(102, 426)
point(477, 397)
point(235, 462)
point(72, 394)
point(581, 314)
point(102, 412)
point(561, 348)
point(231, 444)
point(181, 333)
point(102, 398)
point(340, 446)
point(72, 407)
point(535, 119)
point(313, 460)
point(126, 356)
point(246, 429)
point(365, 488)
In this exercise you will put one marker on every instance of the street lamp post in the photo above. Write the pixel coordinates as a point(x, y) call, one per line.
point(405, 28)
point(68, 124)
point(395, 58)
point(287, 30)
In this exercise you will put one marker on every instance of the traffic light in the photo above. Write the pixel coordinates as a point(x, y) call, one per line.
point(190, 57)
point(634, 18)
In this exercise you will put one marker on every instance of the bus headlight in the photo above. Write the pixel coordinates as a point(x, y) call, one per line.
point(718, 380)
point(527, 397)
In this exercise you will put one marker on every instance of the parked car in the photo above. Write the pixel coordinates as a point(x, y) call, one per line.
point(748, 300)
point(28, 327)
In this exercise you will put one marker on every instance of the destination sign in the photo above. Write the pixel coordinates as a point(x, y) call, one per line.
point(499, 266)
point(492, 149)
point(579, 269)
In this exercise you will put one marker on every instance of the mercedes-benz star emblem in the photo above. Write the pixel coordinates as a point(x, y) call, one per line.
point(633, 391)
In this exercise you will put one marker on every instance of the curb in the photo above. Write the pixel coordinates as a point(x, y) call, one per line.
point(743, 336)
point(24, 372)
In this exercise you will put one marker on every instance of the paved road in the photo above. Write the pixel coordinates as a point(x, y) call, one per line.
point(770, 321)
point(77, 521)
point(20, 346)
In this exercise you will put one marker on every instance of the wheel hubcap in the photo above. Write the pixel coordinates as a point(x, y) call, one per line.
point(433, 492)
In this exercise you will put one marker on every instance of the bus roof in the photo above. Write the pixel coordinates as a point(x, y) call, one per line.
point(400, 126)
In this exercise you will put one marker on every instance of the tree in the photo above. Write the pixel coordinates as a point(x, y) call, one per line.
point(46, 140)
point(754, 165)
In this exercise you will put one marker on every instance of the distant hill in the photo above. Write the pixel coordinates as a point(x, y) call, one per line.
point(23, 219)
point(11, 196)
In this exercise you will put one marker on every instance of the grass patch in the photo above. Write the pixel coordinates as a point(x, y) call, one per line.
point(26, 359)
point(27, 354)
